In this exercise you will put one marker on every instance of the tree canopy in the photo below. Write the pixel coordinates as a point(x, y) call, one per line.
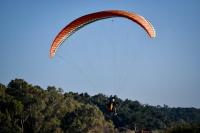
point(27, 108)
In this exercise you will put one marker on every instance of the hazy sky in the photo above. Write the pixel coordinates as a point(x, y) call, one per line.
point(167, 70)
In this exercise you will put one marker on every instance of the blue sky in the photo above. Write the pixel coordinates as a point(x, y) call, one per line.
point(167, 71)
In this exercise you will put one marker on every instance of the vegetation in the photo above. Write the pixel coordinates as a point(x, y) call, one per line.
point(30, 109)
point(184, 129)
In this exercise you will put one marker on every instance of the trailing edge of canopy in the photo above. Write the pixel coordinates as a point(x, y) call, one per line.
point(90, 18)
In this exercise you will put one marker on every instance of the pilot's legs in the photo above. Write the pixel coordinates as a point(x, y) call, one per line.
point(115, 112)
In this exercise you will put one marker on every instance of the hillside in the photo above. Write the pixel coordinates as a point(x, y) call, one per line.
point(27, 108)
point(145, 117)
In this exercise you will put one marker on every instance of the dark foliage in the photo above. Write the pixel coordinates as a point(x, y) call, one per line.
point(31, 109)
point(145, 117)
point(184, 129)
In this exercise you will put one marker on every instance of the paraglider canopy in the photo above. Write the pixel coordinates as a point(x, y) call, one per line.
point(90, 18)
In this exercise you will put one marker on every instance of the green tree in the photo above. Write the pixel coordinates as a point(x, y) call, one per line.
point(5, 121)
point(86, 118)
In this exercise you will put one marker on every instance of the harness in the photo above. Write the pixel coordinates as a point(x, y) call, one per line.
point(110, 107)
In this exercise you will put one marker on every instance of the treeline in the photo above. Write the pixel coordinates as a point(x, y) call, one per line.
point(184, 129)
point(30, 109)
point(188, 116)
point(144, 116)
point(130, 113)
